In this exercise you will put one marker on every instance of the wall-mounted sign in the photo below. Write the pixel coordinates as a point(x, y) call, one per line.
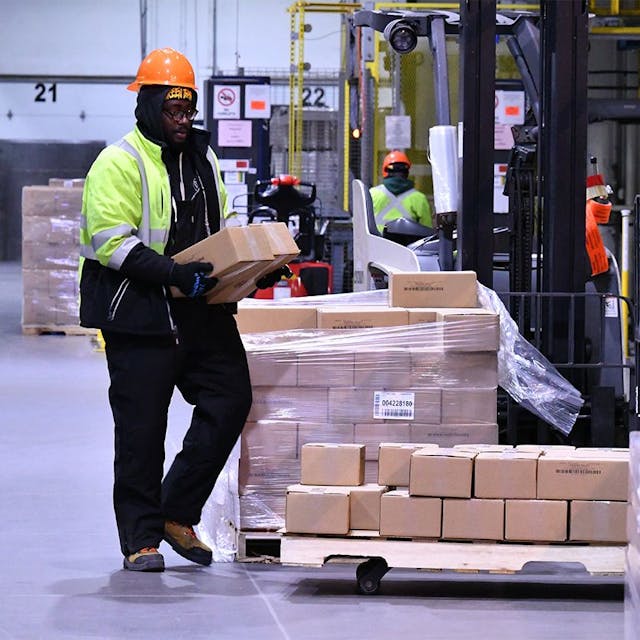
point(234, 133)
point(257, 101)
point(510, 110)
point(397, 130)
point(226, 102)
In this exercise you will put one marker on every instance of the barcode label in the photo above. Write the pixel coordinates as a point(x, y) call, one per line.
point(394, 405)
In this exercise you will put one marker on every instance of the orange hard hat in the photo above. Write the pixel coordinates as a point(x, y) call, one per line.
point(394, 157)
point(165, 66)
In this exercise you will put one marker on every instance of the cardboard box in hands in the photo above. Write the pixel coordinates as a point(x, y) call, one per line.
point(240, 255)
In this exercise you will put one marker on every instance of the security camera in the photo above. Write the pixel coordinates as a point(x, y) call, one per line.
point(402, 35)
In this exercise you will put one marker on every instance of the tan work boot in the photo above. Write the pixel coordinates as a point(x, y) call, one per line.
point(183, 541)
point(147, 559)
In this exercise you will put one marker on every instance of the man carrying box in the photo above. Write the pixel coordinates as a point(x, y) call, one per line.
point(146, 197)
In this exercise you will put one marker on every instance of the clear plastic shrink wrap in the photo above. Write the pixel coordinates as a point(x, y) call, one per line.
point(527, 376)
point(50, 253)
point(220, 514)
point(431, 376)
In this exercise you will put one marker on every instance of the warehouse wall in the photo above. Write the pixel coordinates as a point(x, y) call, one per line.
point(93, 38)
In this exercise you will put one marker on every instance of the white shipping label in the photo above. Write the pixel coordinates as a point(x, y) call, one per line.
point(394, 405)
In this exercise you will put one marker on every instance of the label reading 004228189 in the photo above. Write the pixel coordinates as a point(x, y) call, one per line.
point(394, 405)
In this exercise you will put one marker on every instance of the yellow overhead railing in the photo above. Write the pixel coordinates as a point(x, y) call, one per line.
point(614, 7)
point(297, 13)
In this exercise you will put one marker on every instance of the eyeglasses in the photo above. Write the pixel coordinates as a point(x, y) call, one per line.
point(178, 116)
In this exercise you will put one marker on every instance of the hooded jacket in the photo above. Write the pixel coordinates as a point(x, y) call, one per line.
point(127, 217)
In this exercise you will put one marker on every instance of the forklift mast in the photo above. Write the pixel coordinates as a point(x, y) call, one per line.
point(546, 181)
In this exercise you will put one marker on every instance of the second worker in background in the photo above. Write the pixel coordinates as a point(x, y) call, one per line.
point(397, 197)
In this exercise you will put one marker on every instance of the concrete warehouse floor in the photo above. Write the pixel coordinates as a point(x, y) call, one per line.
point(61, 573)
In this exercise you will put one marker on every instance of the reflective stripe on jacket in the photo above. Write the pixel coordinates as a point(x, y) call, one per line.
point(127, 204)
point(411, 204)
point(129, 195)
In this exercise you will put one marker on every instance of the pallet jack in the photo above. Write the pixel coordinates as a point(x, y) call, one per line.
point(287, 199)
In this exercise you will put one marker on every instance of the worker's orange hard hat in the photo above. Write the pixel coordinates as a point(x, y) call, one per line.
point(165, 66)
point(392, 158)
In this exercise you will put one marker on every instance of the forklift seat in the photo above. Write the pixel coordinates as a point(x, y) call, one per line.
point(371, 216)
point(370, 250)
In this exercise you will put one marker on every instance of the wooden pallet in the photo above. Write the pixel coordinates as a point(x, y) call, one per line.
point(57, 329)
point(454, 556)
point(258, 546)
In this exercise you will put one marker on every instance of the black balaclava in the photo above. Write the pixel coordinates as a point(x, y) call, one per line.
point(149, 110)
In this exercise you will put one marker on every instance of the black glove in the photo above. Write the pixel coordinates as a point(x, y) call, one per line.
point(270, 279)
point(191, 278)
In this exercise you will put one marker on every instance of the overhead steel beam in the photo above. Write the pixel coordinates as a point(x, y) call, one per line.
point(62, 79)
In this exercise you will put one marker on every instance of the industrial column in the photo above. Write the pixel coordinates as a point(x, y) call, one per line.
point(477, 99)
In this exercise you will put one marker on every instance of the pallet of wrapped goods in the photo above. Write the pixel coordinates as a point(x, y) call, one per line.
point(364, 374)
point(50, 254)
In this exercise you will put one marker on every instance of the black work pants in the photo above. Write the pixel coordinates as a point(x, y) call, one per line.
point(209, 367)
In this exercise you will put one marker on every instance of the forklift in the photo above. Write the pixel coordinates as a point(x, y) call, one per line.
point(572, 315)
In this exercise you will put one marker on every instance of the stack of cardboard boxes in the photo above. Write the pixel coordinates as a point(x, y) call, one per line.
point(468, 492)
point(51, 247)
point(632, 563)
point(50, 253)
point(413, 371)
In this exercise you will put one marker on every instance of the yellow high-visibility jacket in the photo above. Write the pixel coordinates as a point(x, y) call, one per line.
point(126, 214)
point(411, 204)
